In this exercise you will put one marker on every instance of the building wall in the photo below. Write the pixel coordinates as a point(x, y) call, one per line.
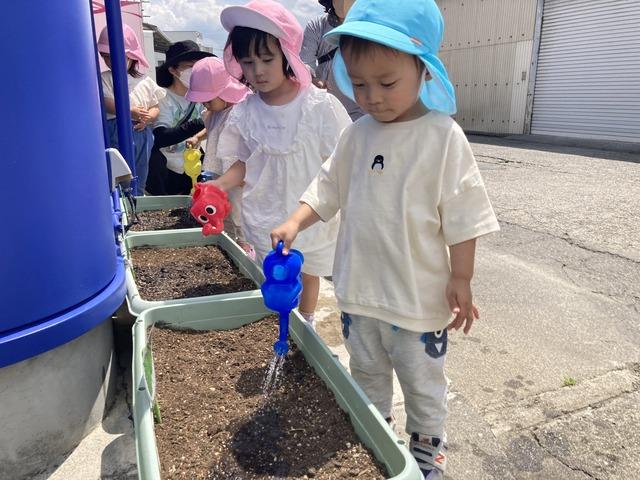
point(181, 35)
point(150, 53)
point(487, 50)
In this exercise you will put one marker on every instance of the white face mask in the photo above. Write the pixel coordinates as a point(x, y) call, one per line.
point(185, 77)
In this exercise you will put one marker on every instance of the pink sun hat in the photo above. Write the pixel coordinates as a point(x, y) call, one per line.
point(209, 80)
point(271, 17)
point(132, 48)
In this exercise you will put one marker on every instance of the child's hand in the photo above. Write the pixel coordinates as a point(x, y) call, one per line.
point(460, 302)
point(287, 232)
point(139, 126)
point(140, 114)
point(319, 83)
point(193, 142)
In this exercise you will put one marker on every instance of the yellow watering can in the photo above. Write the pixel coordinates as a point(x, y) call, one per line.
point(192, 164)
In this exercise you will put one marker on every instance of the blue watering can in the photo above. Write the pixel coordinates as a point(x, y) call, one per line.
point(281, 289)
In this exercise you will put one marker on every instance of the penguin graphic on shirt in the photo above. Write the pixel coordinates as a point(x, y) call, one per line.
point(378, 164)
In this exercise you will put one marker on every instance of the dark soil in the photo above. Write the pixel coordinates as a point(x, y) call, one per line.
point(176, 218)
point(172, 273)
point(218, 425)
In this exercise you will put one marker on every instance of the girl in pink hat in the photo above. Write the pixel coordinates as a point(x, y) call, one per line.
point(144, 96)
point(211, 85)
point(277, 139)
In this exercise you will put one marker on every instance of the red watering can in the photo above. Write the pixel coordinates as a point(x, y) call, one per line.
point(210, 207)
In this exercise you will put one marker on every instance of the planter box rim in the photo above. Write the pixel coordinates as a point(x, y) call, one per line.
point(186, 238)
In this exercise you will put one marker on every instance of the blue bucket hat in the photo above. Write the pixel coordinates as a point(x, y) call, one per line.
point(411, 26)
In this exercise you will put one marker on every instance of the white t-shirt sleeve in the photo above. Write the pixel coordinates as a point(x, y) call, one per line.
point(147, 94)
point(231, 144)
point(465, 210)
point(154, 92)
point(335, 120)
point(107, 84)
point(323, 194)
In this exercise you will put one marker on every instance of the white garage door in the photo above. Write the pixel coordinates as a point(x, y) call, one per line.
point(588, 77)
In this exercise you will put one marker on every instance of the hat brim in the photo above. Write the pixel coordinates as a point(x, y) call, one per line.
point(241, 16)
point(233, 92)
point(103, 48)
point(376, 33)
point(437, 93)
point(187, 57)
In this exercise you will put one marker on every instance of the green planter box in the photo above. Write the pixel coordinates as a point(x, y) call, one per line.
point(148, 203)
point(369, 425)
point(188, 238)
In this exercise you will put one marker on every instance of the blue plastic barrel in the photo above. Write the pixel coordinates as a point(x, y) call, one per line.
point(59, 269)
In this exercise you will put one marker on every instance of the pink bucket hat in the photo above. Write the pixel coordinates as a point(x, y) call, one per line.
point(271, 17)
point(132, 48)
point(209, 80)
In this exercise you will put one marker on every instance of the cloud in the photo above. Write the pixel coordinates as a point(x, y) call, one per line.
point(204, 16)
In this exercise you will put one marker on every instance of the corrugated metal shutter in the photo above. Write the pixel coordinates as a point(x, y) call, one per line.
point(588, 76)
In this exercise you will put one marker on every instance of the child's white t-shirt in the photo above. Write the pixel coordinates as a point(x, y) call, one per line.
point(143, 91)
point(405, 191)
point(283, 148)
point(214, 123)
point(279, 123)
point(173, 109)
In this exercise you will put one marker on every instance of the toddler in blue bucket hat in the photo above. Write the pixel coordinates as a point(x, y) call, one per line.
point(412, 27)
point(412, 205)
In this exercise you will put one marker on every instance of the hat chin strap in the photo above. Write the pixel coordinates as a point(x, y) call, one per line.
point(422, 87)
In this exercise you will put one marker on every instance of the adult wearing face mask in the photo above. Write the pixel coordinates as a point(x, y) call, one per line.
point(317, 53)
point(178, 121)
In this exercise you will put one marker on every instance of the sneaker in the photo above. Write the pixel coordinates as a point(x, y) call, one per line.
point(248, 250)
point(392, 422)
point(430, 454)
point(310, 319)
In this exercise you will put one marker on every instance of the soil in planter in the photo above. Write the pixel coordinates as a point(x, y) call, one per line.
point(185, 272)
point(218, 425)
point(176, 218)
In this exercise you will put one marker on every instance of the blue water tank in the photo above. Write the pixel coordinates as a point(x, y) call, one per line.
point(58, 255)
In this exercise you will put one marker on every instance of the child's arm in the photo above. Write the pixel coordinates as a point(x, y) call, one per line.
point(459, 287)
point(194, 141)
point(301, 219)
point(110, 105)
point(145, 118)
point(465, 215)
point(165, 136)
point(137, 113)
point(154, 113)
point(233, 177)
